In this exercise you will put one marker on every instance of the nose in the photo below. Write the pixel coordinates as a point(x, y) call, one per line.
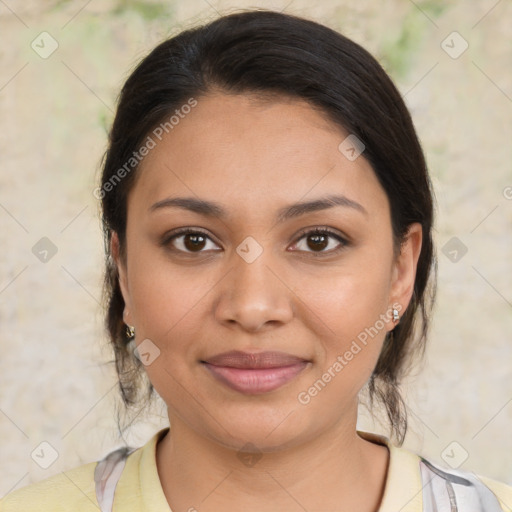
point(254, 295)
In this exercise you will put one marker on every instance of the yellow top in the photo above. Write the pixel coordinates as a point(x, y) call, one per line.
point(139, 489)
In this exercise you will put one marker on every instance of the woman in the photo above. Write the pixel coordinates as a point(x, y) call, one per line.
point(268, 222)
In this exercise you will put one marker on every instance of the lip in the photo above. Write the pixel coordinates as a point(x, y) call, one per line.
point(255, 373)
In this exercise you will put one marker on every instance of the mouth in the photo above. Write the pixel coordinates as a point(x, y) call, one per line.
point(255, 373)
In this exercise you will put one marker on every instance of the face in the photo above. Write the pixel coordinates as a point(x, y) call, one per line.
point(305, 312)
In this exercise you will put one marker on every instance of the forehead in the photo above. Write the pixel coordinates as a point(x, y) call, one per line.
point(255, 152)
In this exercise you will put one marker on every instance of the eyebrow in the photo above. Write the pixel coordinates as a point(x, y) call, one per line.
point(212, 209)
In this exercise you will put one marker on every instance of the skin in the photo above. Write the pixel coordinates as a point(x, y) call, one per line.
point(255, 157)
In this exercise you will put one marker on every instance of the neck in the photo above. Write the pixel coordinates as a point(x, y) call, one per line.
point(337, 470)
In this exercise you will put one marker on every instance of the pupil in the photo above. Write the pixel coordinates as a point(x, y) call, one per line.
point(193, 242)
point(316, 239)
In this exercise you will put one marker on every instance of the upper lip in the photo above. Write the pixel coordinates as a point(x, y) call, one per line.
point(238, 359)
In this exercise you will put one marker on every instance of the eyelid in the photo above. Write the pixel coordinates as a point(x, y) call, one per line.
point(168, 237)
point(324, 230)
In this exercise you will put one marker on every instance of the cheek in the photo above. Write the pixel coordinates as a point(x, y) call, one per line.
point(346, 300)
point(335, 302)
point(334, 305)
point(165, 298)
point(353, 319)
point(167, 305)
point(348, 311)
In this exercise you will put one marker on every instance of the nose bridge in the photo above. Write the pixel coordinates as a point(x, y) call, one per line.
point(252, 294)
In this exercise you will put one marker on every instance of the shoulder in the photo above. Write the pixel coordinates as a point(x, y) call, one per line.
point(501, 490)
point(69, 490)
point(443, 487)
point(417, 484)
point(91, 487)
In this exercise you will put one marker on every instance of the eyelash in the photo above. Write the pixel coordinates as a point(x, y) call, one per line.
point(168, 238)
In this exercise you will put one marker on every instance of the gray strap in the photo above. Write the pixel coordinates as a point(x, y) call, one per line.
point(454, 491)
point(107, 474)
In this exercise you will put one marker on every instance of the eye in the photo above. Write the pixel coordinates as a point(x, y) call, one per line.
point(188, 240)
point(318, 239)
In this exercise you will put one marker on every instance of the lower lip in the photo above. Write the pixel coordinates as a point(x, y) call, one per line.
point(255, 381)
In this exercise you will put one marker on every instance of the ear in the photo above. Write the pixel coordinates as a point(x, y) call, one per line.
point(115, 250)
point(404, 268)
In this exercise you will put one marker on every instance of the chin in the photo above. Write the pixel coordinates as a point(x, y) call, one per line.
point(264, 428)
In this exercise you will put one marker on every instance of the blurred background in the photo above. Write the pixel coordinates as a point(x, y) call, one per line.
point(62, 66)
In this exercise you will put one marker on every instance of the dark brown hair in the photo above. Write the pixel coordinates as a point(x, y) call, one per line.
point(266, 52)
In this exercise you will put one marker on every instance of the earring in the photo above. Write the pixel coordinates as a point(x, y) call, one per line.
point(396, 316)
point(130, 331)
